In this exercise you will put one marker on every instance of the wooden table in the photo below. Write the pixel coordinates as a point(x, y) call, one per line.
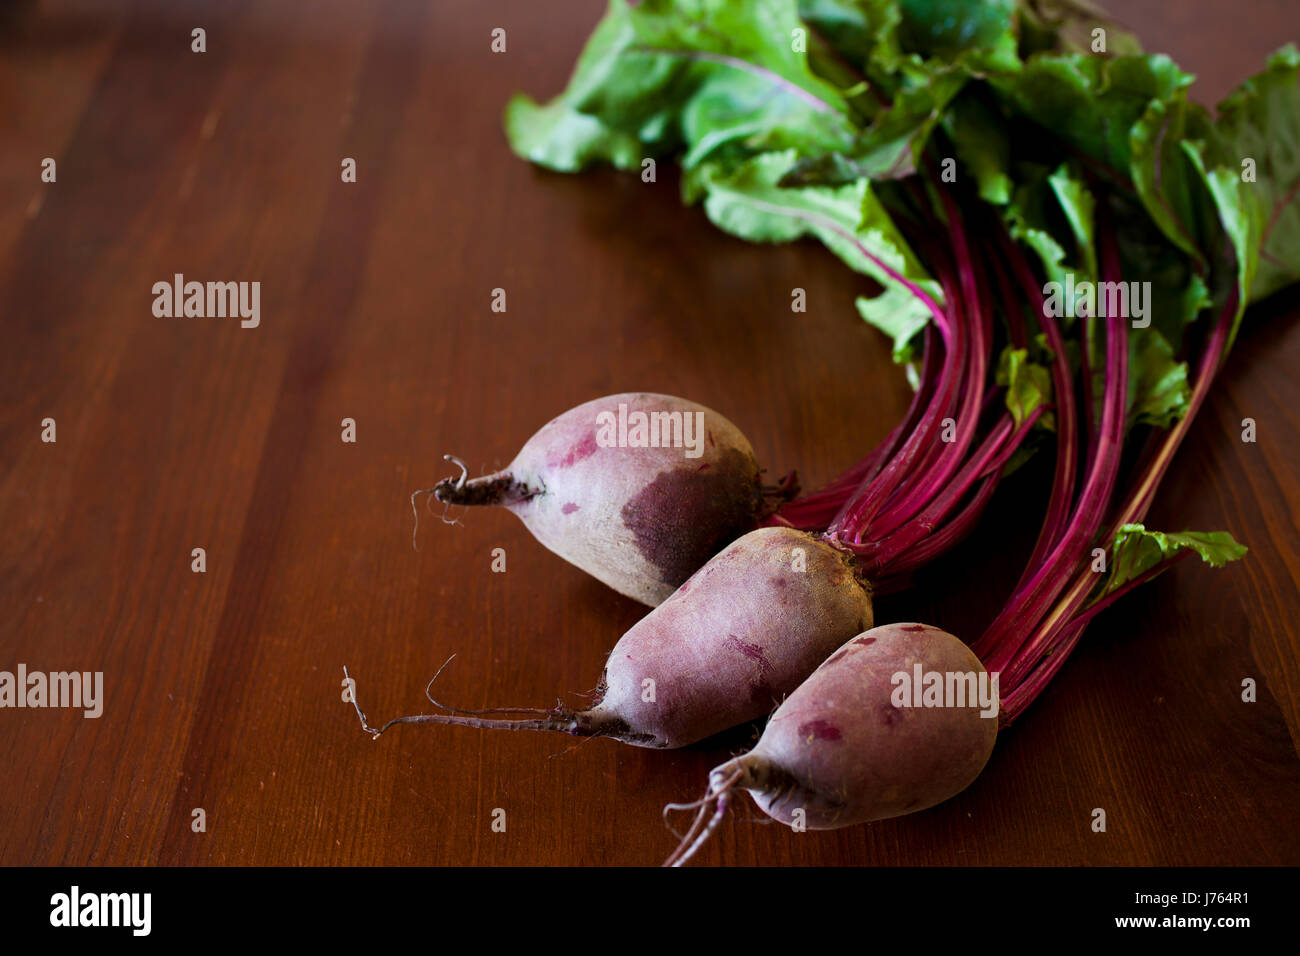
point(222, 688)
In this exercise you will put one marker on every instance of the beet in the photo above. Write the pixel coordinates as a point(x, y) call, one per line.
point(846, 748)
point(640, 519)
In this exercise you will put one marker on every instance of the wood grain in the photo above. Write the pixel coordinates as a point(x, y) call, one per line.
point(223, 688)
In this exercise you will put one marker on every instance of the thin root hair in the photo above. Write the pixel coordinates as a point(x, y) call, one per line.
point(416, 511)
point(352, 686)
point(535, 711)
point(700, 830)
point(682, 807)
point(460, 483)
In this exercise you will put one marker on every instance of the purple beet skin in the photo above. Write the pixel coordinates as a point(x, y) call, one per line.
point(642, 519)
point(849, 746)
point(846, 747)
point(736, 638)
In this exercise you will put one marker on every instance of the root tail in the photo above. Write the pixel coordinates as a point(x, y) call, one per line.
point(560, 720)
point(499, 488)
point(703, 826)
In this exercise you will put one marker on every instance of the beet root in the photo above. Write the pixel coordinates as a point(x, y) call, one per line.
point(869, 735)
point(642, 519)
point(737, 637)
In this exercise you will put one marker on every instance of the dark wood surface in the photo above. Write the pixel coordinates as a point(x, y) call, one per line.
point(223, 688)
